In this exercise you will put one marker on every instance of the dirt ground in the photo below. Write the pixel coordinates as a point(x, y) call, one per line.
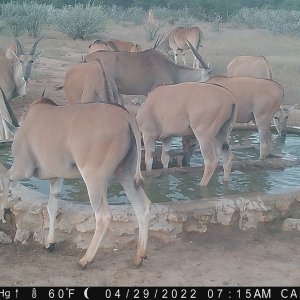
point(221, 257)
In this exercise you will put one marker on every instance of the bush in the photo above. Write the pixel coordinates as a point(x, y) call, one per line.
point(80, 22)
point(132, 14)
point(152, 30)
point(30, 17)
point(279, 21)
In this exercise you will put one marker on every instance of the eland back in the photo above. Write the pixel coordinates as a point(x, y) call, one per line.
point(114, 45)
point(138, 73)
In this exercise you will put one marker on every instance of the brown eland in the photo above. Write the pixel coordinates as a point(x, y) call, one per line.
point(7, 114)
point(93, 140)
point(178, 39)
point(207, 111)
point(12, 79)
point(280, 118)
point(114, 45)
point(259, 67)
point(258, 100)
point(138, 73)
point(250, 66)
point(26, 58)
point(93, 83)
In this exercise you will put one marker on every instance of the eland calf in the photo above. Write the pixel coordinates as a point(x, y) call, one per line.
point(91, 140)
point(208, 111)
point(178, 39)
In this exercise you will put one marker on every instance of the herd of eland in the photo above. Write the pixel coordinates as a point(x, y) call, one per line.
point(96, 138)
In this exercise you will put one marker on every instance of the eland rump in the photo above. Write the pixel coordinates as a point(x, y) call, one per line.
point(91, 140)
point(90, 82)
point(207, 111)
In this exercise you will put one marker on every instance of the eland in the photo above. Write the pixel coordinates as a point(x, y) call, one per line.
point(12, 79)
point(250, 66)
point(114, 45)
point(91, 140)
point(89, 82)
point(259, 67)
point(179, 39)
point(25, 58)
point(205, 110)
point(258, 100)
point(136, 73)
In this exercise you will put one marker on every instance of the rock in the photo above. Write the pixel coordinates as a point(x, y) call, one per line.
point(4, 238)
point(290, 224)
point(21, 236)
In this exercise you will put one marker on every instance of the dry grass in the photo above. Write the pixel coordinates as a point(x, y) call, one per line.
point(218, 49)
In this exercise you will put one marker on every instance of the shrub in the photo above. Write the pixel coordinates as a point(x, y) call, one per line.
point(30, 17)
point(80, 22)
point(216, 23)
point(152, 30)
point(279, 21)
point(130, 14)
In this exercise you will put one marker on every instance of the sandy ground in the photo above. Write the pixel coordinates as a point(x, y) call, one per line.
point(221, 257)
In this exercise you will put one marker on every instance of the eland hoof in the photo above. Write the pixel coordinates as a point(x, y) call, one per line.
point(50, 247)
point(138, 261)
point(84, 263)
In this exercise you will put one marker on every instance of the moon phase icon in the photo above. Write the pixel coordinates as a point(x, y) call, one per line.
point(85, 293)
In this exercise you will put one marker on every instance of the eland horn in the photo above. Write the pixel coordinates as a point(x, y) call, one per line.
point(32, 51)
point(198, 56)
point(19, 48)
point(10, 110)
point(158, 41)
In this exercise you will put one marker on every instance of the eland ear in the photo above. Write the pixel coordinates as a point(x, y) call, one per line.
point(12, 55)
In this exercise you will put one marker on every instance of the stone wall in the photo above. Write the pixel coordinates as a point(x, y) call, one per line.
point(169, 221)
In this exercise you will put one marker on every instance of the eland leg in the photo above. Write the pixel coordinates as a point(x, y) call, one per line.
point(265, 141)
point(165, 156)
point(54, 197)
point(227, 157)
point(175, 55)
point(141, 205)
point(149, 144)
point(183, 56)
point(97, 190)
point(209, 154)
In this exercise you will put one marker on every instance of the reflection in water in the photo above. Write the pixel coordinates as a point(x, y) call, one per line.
point(186, 186)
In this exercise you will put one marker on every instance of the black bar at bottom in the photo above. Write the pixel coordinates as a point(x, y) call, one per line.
point(151, 293)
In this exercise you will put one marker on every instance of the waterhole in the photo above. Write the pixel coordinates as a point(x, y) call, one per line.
point(176, 187)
